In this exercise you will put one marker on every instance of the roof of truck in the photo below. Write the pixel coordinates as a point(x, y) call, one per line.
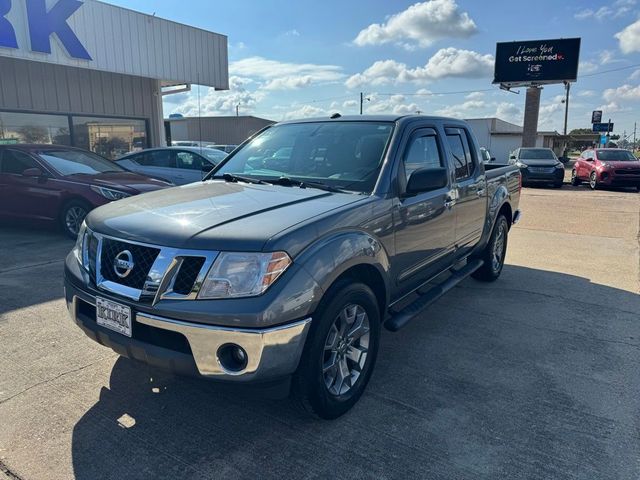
point(369, 118)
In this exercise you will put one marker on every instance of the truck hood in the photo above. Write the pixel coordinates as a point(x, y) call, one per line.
point(214, 215)
point(623, 165)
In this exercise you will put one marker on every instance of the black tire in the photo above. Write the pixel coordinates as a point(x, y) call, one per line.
point(575, 181)
point(310, 389)
point(490, 270)
point(71, 217)
point(593, 181)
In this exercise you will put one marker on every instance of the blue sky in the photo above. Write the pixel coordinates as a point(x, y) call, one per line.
point(309, 58)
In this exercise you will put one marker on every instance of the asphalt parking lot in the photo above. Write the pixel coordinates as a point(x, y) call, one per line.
point(534, 376)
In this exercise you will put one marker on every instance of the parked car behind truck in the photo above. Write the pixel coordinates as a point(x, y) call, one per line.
point(538, 165)
point(61, 184)
point(284, 271)
point(608, 167)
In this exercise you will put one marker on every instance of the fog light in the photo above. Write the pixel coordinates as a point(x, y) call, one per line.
point(232, 357)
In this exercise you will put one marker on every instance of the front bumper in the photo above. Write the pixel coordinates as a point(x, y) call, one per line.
point(192, 348)
point(618, 180)
point(529, 176)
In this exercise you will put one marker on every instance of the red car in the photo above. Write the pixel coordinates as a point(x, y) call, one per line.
point(611, 167)
point(62, 184)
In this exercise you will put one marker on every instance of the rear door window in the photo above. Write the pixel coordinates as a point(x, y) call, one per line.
point(189, 160)
point(16, 162)
point(155, 158)
point(462, 160)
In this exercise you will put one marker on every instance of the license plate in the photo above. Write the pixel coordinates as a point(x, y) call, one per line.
point(540, 170)
point(114, 316)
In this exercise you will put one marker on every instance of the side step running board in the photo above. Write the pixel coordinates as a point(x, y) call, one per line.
point(404, 316)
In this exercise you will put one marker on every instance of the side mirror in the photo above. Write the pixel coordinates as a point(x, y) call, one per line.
point(426, 179)
point(33, 173)
point(492, 159)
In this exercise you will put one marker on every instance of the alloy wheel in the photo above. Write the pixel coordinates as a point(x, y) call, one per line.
point(73, 219)
point(593, 181)
point(498, 248)
point(346, 349)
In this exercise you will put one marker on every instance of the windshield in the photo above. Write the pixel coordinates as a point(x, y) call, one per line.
point(216, 156)
point(537, 154)
point(70, 162)
point(340, 154)
point(616, 156)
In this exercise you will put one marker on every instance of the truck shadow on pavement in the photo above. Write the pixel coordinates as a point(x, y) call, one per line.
point(534, 376)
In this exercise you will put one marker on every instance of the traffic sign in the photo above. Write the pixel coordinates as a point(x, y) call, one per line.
point(603, 139)
point(603, 127)
point(596, 116)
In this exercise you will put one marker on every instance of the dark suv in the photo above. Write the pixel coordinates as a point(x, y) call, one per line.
point(62, 184)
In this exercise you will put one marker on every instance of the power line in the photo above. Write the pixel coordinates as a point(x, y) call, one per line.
point(611, 70)
point(437, 93)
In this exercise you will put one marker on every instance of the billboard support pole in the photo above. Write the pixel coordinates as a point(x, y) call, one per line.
point(608, 129)
point(531, 113)
point(567, 86)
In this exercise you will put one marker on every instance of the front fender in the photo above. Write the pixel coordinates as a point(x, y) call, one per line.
point(330, 257)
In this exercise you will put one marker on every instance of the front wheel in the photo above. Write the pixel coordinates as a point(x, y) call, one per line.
point(340, 352)
point(593, 180)
point(71, 217)
point(494, 253)
point(575, 181)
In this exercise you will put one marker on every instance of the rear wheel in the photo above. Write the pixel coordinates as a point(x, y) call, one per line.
point(494, 253)
point(575, 181)
point(593, 180)
point(71, 217)
point(340, 352)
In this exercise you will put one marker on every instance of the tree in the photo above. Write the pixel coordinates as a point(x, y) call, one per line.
point(614, 137)
point(580, 131)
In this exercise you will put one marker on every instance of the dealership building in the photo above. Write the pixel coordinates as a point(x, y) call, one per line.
point(92, 75)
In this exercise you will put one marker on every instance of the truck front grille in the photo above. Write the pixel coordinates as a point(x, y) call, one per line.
point(142, 256)
point(188, 274)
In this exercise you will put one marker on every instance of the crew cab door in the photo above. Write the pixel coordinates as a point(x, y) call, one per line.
point(470, 189)
point(424, 222)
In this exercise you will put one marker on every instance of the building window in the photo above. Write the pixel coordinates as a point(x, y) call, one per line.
point(34, 128)
point(109, 137)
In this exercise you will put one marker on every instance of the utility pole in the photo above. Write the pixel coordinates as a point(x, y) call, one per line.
point(567, 86)
point(237, 110)
point(634, 136)
point(608, 129)
point(361, 101)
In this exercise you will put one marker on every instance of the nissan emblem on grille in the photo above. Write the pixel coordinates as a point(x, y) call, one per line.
point(123, 263)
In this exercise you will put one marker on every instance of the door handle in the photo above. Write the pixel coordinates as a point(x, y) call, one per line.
point(480, 192)
point(449, 202)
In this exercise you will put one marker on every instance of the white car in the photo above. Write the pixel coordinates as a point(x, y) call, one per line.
point(179, 165)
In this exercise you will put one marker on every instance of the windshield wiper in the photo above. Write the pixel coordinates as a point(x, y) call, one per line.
point(231, 177)
point(291, 182)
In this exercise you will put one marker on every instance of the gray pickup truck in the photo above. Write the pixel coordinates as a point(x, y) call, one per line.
point(280, 268)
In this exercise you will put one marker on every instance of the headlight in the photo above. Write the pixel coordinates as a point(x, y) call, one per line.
point(560, 165)
point(235, 274)
point(108, 193)
point(520, 164)
point(81, 248)
point(606, 165)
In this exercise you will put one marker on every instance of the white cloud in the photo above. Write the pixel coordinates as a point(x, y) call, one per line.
point(214, 102)
point(292, 33)
point(305, 111)
point(635, 75)
point(606, 56)
point(463, 110)
point(623, 93)
point(510, 112)
point(288, 83)
point(421, 24)
point(349, 104)
point(587, 67)
point(392, 104)
point(269, 70)
point(474, 96)
point(606, 12)
point(629, 38)
point(447, 62)
point(587, 93)
point(613, 107)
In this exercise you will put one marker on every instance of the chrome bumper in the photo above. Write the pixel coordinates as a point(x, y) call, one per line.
point(271, 352)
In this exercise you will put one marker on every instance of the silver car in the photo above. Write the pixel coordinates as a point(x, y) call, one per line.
point(179, 165)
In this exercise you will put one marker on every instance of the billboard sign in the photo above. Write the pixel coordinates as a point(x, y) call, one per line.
point(596, 116)
point(603, 127)
point(536, 62)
